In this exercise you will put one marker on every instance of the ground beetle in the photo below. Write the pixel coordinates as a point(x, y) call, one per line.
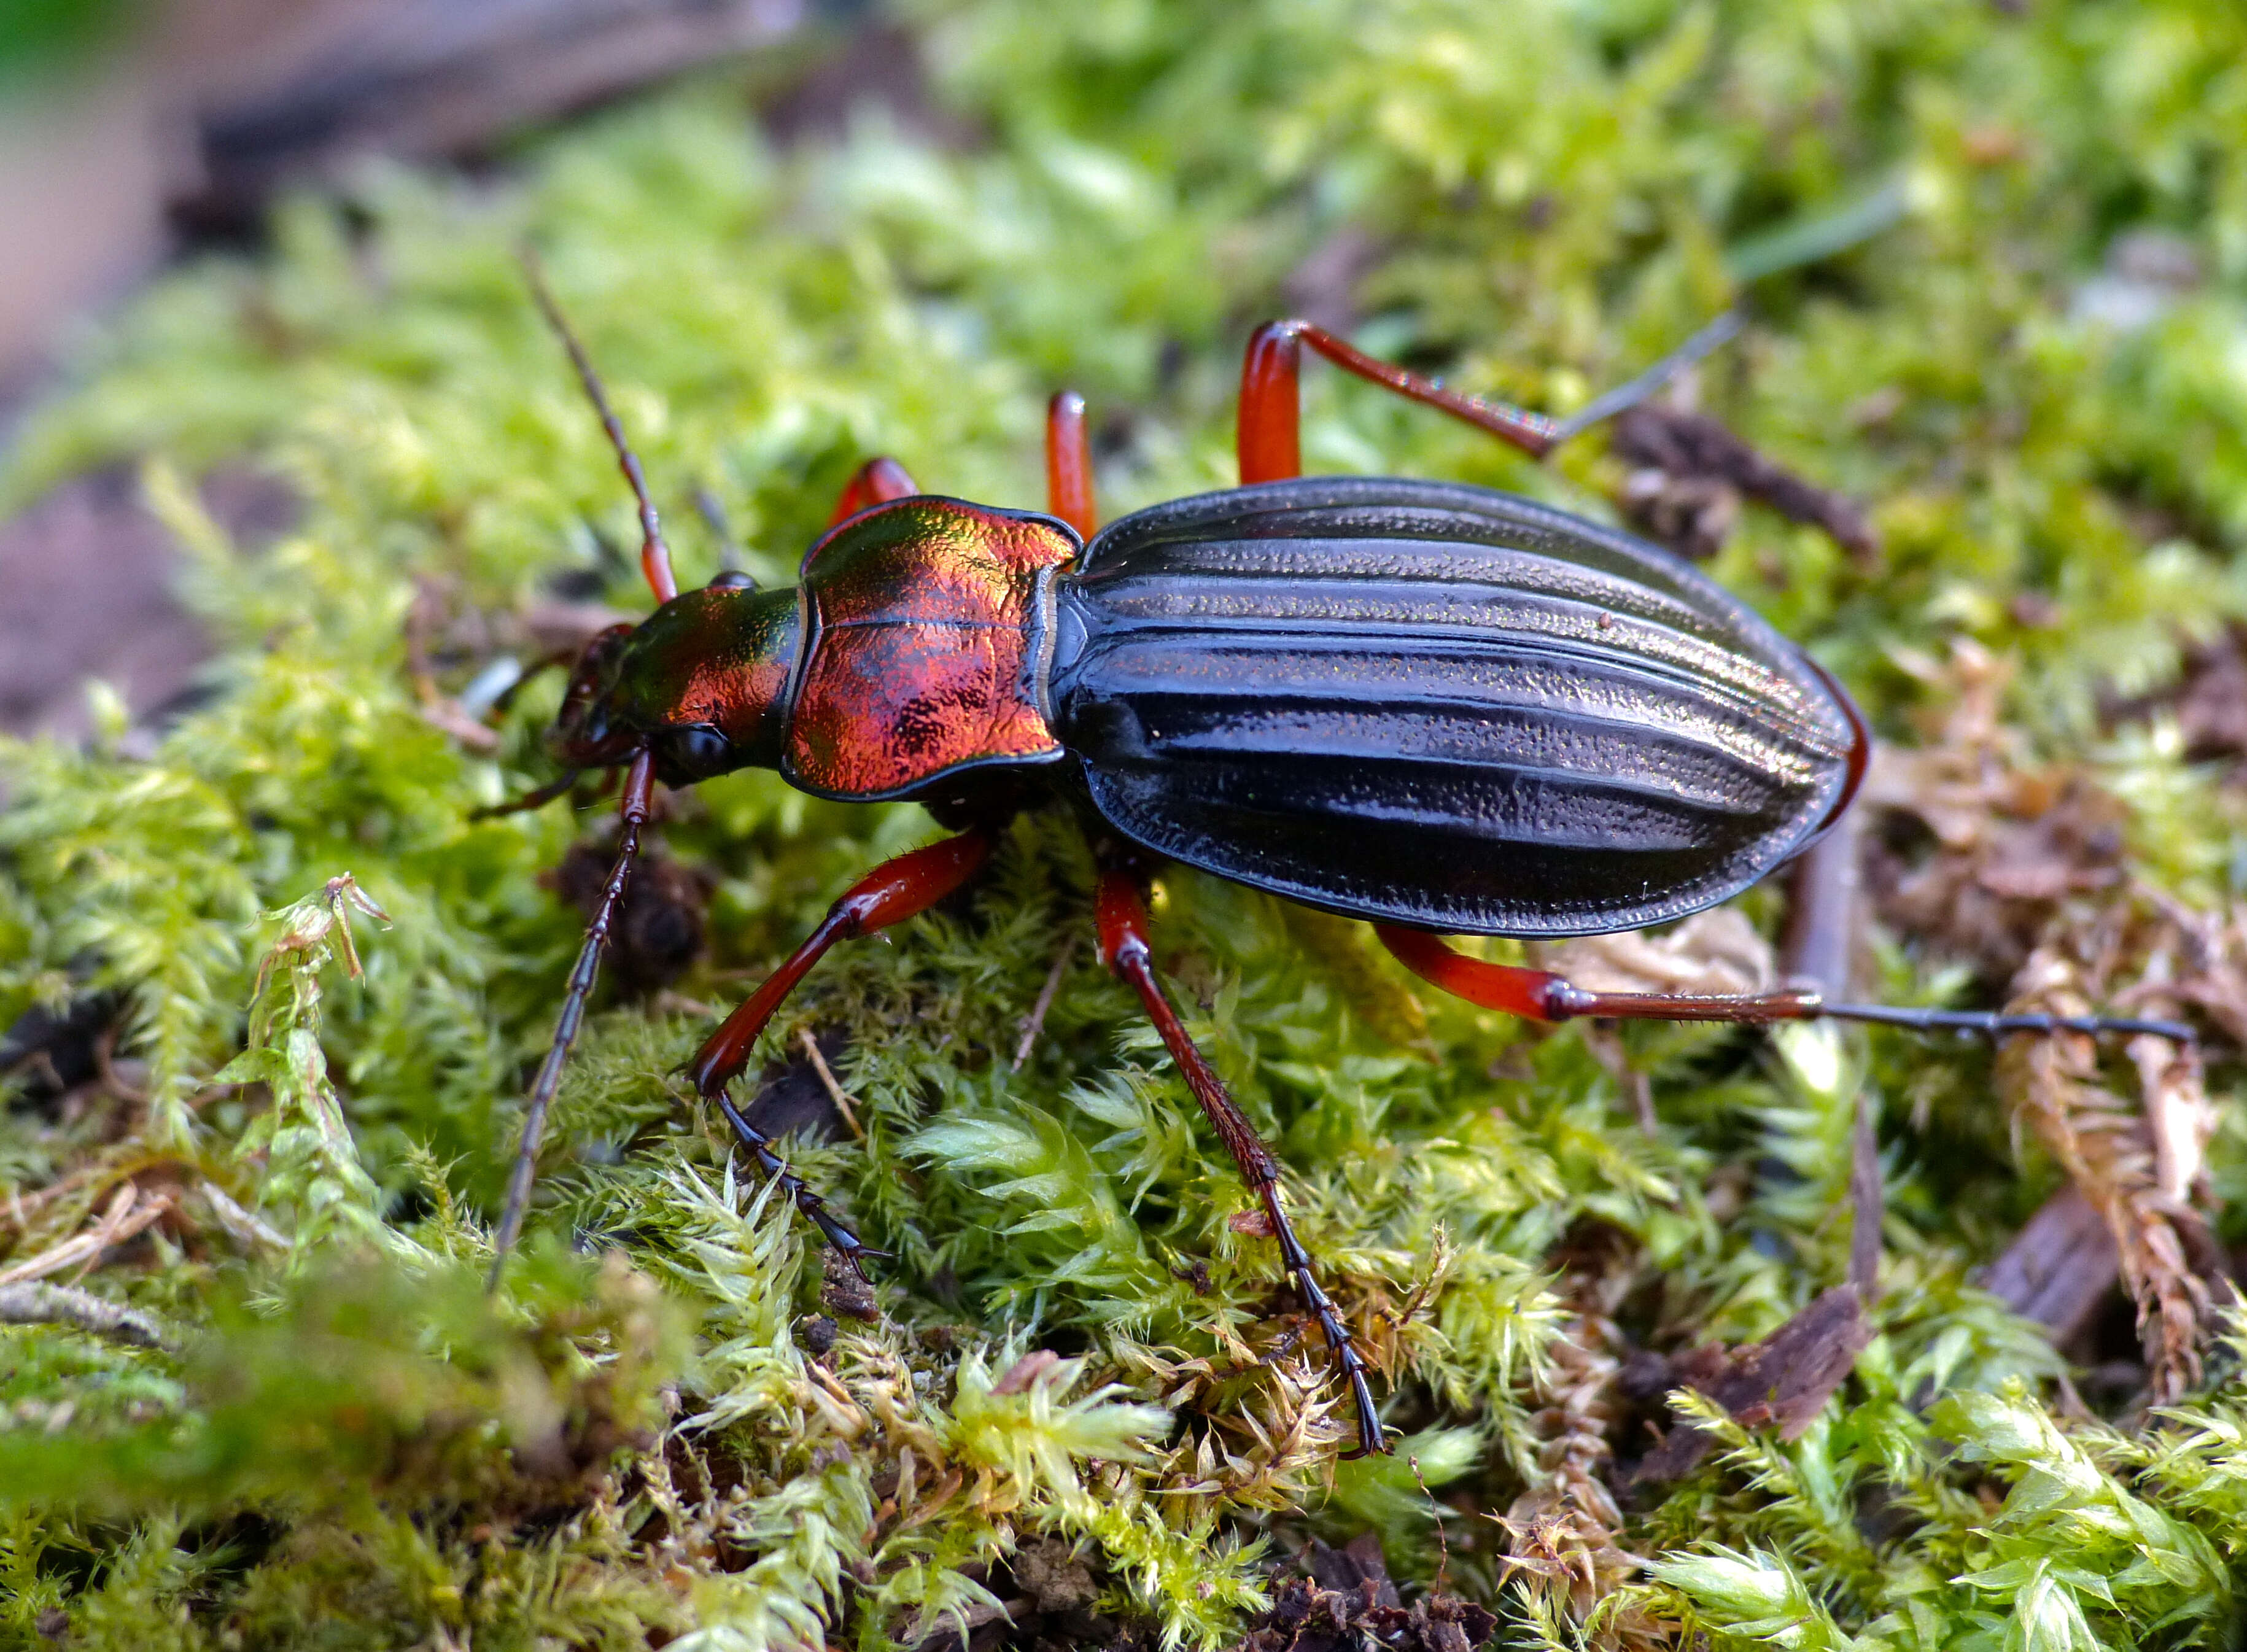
point(1436, 707)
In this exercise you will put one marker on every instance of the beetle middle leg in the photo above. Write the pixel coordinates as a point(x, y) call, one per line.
point(1124, 948)
point(1068, 464)
point(891, 893)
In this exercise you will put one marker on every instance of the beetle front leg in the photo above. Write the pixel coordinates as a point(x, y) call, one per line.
point(831, 1227)
point(891, 893)
point(875, 483)
point(1124, 948)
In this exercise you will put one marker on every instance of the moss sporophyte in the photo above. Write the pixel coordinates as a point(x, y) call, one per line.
point(1646, 1378)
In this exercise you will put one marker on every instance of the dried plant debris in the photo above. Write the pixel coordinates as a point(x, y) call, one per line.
point(2139, 1160)
point(1348, 1601)
point(2013, 841)
point(2027, 878)
point(1689, 474)
point(1564, 1531)
point(1783, 1380)
point(2209, 701)
point(657, 934)
point(251, 1384)
point(2059, 1267)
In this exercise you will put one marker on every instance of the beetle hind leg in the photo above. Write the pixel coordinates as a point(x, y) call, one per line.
point(1271, 408)
point(1538, 995)
point(1122, 918)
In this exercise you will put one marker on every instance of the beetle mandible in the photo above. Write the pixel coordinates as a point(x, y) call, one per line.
point(1437, 707)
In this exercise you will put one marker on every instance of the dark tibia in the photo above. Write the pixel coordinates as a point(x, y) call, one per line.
point(1538, 995)
point(875, 482)
point(639, 799)
point(1971, 1020)
point(1717, 334)
point(1068, 465)
point(811, 1204)
point(1122, 918)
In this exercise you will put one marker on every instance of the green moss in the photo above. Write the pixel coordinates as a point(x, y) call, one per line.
point(347, 1442)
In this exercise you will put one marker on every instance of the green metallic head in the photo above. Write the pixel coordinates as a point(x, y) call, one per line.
point(702, 683)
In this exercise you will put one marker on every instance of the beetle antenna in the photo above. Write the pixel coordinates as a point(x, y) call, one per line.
point(713, 517)
point(654, 555)
point(1996, 1024)
point(639, 799)
point(1719, 333)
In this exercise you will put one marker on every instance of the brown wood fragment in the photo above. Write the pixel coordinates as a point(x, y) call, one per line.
point(1868, 1198)
point(1785, 1379)
point(2059, 1267)
point(1692, 472)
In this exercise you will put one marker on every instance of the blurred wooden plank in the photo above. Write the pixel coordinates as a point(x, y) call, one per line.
point(317, 86)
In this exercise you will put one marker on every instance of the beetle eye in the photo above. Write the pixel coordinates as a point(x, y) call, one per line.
point(734, 579)
point(697, 752)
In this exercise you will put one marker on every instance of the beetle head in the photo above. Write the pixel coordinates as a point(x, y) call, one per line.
point(585, 734)
point(702, 683)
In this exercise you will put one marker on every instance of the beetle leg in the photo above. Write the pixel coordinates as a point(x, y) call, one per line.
point(1538, 995)
point(836, 1231)
point(1124, 948)
point(875, 483)
point(891, 893)
point(1068, 464)
point(1271, 410)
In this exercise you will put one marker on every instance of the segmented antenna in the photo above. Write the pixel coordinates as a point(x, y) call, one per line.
point(638, 798)
point(654, 555)
point(633, 808)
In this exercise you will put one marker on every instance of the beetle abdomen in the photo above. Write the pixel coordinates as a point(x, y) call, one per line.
point(1438, 704)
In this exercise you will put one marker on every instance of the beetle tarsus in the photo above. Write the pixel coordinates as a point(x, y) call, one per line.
point(1997, 1024)
point(836, 1232)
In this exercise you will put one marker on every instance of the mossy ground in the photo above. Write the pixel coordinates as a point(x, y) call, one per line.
point(340, 1441)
